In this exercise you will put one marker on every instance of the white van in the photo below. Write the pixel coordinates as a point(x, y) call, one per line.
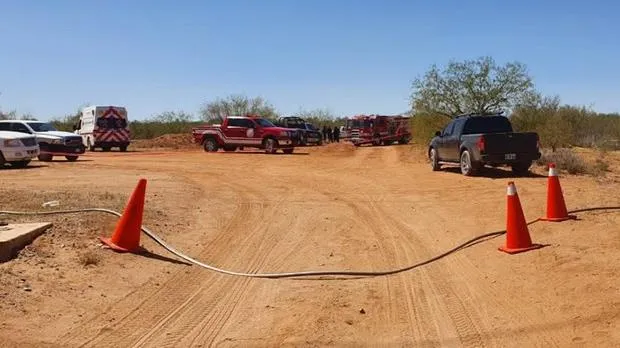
point(104, 127)
point(17, 149)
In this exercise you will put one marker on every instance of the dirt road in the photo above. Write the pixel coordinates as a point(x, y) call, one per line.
point(331, 208)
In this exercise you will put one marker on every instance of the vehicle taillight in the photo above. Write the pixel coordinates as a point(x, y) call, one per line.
point(481, 144)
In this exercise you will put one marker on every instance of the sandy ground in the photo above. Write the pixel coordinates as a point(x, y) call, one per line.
point(331, 208)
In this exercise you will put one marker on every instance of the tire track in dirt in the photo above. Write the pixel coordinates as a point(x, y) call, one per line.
point(495, 298)
point(209, 311)
point(199, 325)
point(465, 320)
point(179, 287)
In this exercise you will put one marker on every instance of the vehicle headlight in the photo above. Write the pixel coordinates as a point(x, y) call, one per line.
point(12, 143)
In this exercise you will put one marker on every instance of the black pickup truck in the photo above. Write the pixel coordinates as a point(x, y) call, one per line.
point(309, 133)
point(474, 140)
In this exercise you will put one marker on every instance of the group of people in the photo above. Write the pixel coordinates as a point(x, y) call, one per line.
point(331, 135)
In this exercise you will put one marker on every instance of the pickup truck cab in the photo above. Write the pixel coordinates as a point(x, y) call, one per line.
point(52, 142)
point(17, 149)
point(474, 141)
point(238, 132)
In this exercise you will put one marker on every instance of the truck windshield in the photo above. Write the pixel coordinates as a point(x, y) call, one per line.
point(42, 127)
point(358, 123)
point(492, 124)
point(263, 122)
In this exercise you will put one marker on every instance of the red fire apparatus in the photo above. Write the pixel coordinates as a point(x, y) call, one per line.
point(378, 129)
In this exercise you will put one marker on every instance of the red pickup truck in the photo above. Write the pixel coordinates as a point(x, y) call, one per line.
point(237, 132)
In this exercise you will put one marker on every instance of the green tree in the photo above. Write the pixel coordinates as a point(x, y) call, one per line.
point(237, 105)
point(479, 85)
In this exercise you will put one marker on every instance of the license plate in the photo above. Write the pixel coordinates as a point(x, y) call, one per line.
point(510, 156)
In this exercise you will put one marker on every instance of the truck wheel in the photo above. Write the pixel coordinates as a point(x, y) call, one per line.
point(521, 168)
point(123, 148)
point(288, 151)
point(106, 148)
point(71, 158)
point(20, 164)
point(45, 157)
point(403, 141)
point(432, 154)
point(2, 161)
point(271, 145)
point(230, 148)
point(468, 167)
point(210, 145)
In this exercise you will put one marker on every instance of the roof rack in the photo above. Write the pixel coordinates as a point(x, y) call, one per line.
point(497, 113)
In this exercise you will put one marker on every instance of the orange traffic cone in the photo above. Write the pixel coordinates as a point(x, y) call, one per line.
point(517, 234)
point(126, 236)
point(556, 208)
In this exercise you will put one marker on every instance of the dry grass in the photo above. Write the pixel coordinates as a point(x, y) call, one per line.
point(569, 161)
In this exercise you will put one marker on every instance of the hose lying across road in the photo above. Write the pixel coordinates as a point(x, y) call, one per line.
point(159, 241)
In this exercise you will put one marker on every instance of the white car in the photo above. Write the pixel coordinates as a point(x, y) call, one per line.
point(17, 149)
point(51, 141)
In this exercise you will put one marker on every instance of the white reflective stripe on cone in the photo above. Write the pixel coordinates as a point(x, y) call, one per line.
point(553, 171)
point(512, 190)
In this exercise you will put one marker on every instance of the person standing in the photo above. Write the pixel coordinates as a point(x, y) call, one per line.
point(336, 134)
point(330, 135)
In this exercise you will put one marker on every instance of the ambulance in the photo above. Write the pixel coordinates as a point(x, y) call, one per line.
point(104, 127)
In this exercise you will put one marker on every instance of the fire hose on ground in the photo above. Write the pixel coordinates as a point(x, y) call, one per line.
point(191, 260)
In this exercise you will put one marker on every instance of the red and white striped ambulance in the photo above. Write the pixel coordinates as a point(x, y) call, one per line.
point(104, 127)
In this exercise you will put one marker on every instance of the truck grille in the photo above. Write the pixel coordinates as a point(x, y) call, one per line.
point(355, 134)
point(29, 141)
point(73, 141)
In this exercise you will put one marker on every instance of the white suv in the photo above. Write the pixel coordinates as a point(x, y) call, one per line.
point(17, 149)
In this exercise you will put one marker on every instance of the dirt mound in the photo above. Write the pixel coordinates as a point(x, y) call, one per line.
point(174, 141)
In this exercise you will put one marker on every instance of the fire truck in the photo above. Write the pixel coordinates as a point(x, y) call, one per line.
point(378, 129)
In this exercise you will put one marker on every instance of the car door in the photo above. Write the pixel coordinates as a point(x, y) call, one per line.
point(235, 129)
point(442, 148)
point(250, 131)
point(452, 142)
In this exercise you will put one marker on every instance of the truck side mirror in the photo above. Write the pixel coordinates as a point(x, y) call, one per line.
point(437, 133)
point(75, 127)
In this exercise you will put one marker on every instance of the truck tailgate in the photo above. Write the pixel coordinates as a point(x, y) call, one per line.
point(503, 143)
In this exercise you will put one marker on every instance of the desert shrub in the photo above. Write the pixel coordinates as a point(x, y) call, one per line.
point(565, 160)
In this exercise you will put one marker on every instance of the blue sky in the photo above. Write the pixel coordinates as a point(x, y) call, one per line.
point(347, 56)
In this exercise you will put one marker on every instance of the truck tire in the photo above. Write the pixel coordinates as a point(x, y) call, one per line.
point(521, 168)
point(210, 145)
point(230, 148)
point(288, 151)
point(1, 160)
point(468, 167)
point(71, 158)
point(271, 145)
point(123, 148)
point(432, 155)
